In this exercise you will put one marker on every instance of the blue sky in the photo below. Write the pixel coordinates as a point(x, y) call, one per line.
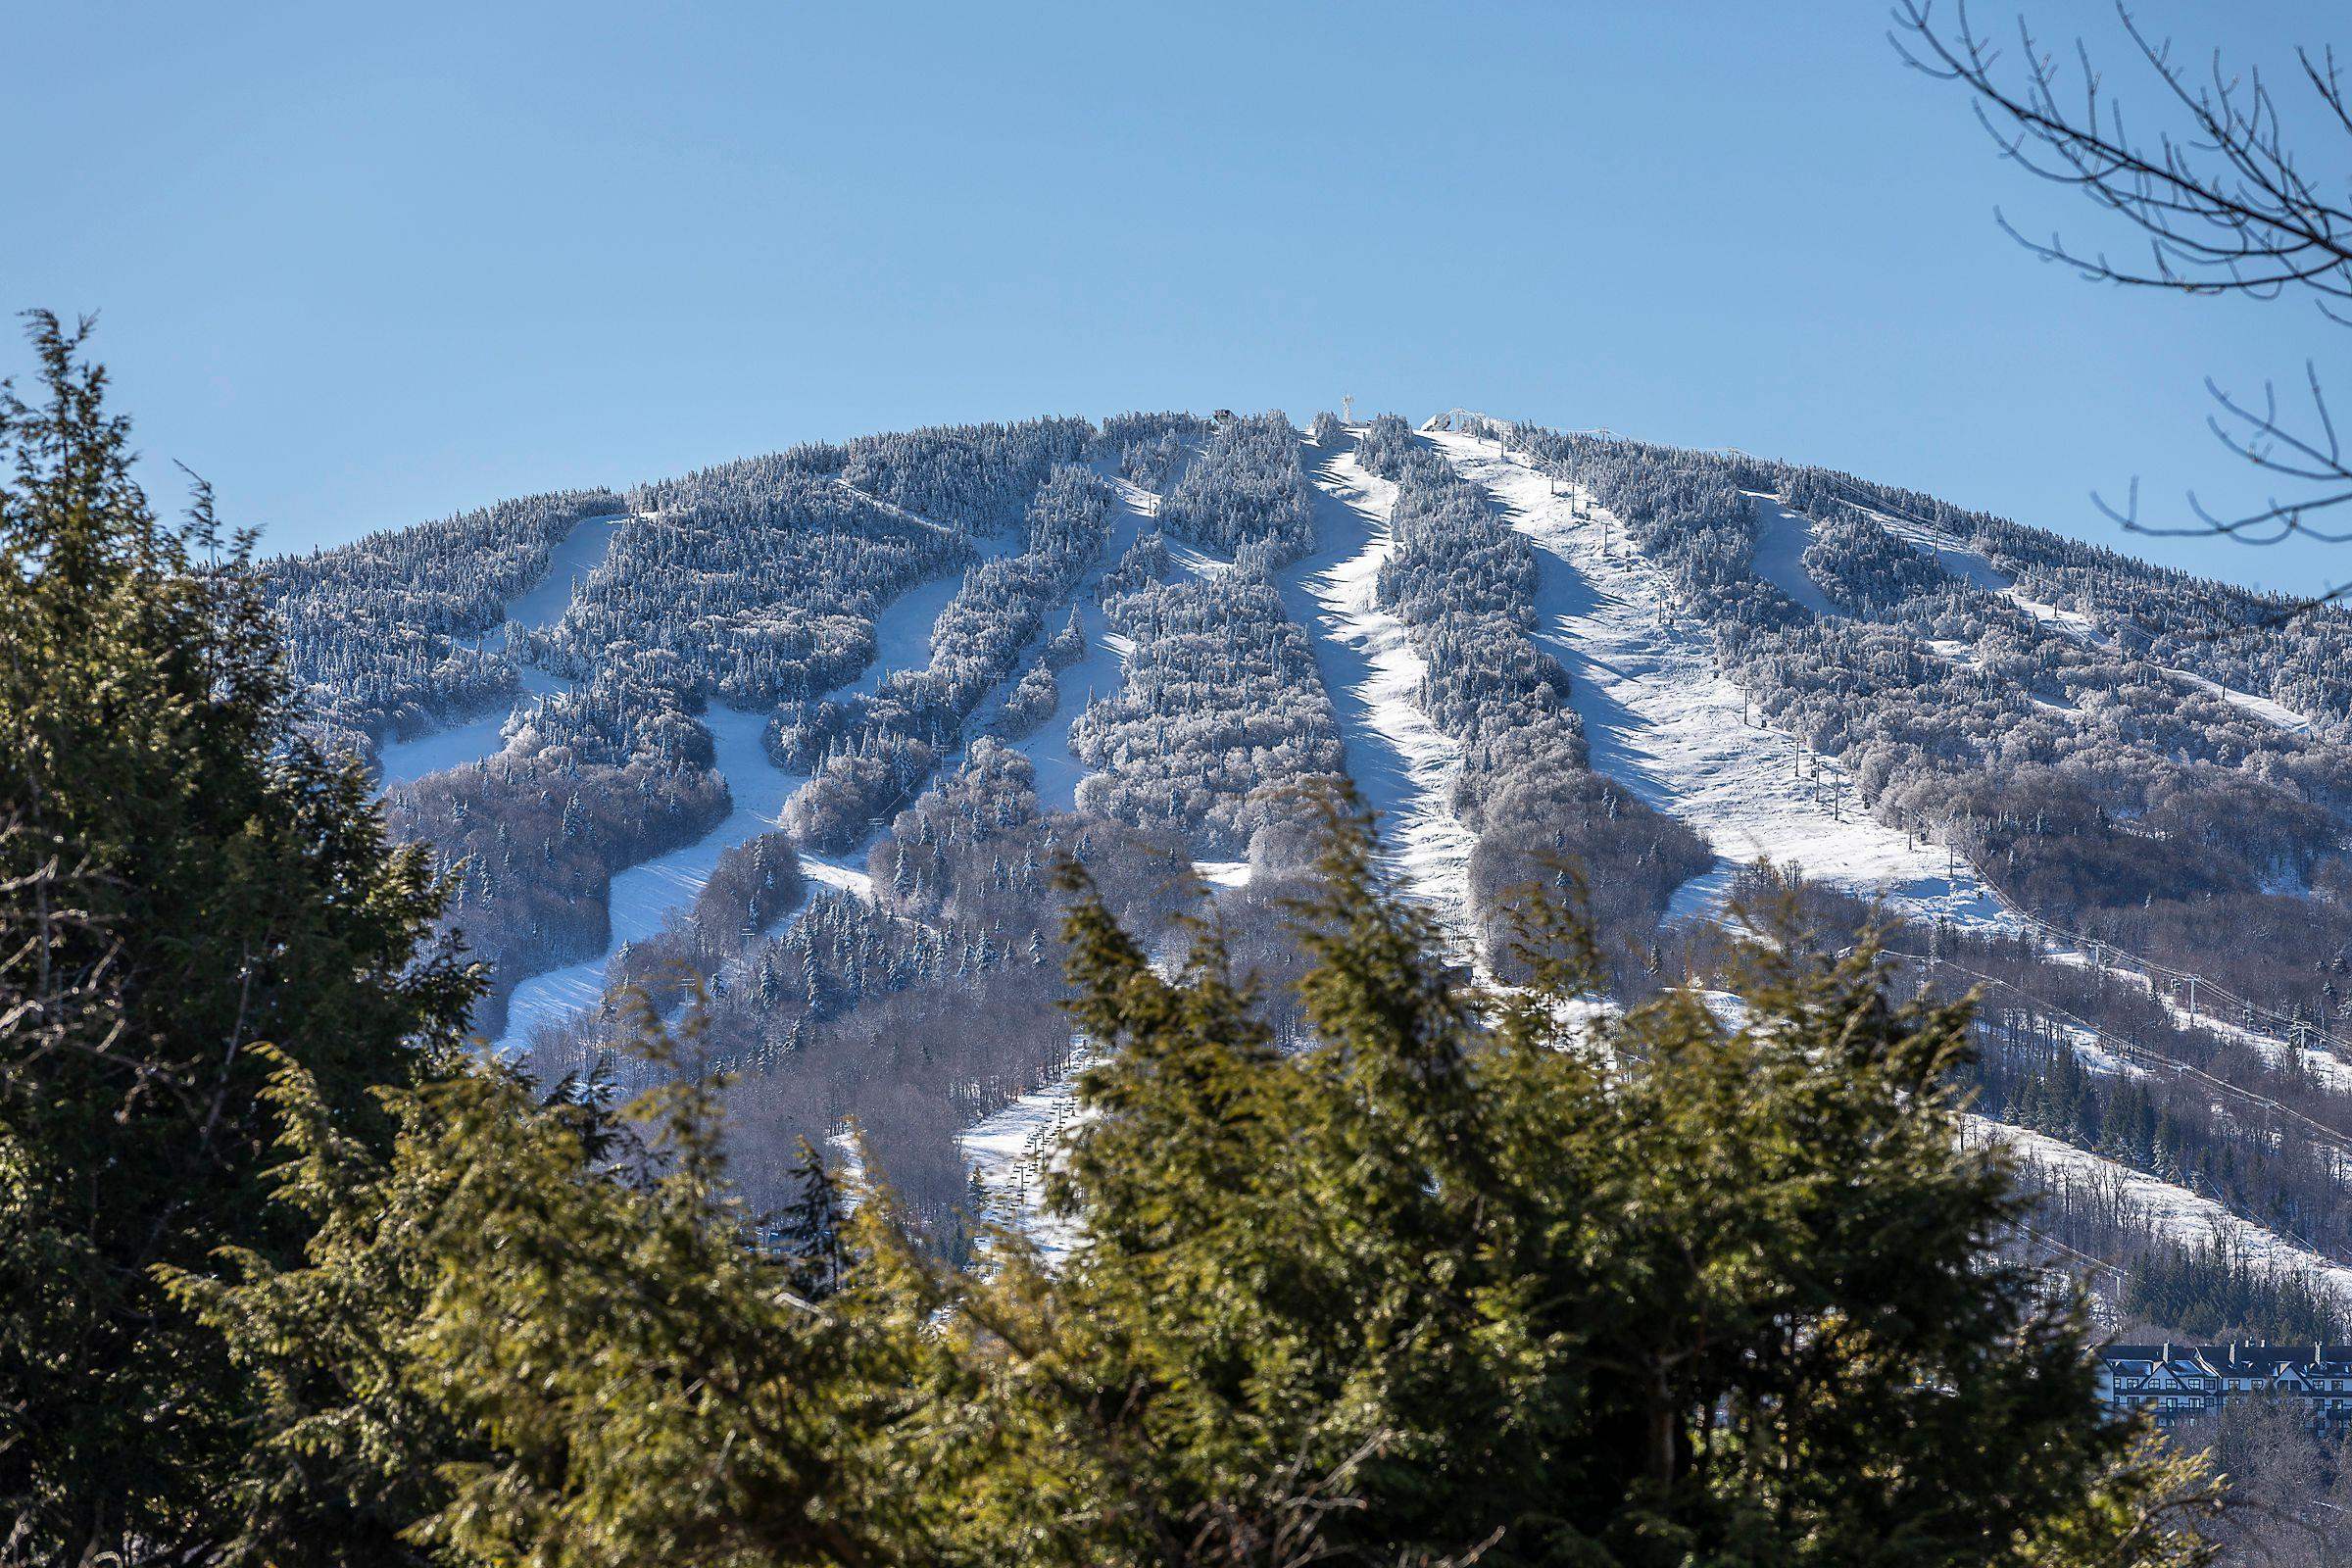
point(365, 266)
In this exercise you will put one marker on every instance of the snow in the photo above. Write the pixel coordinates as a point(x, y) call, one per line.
point(903, 627)
point(1782, 538)
point(643, 896)
point(2277, 715)
point(897, 510)
point(1956, 558)
point(836, 873)
point(1012, 1151)
point(2188, 1217)
point(1197, 561)
point(400, 762)
point(1097, 674)
point(582, 550)
point(540, 604)
point(2329, 1071)
point(1402, 764)
point(1662, 720)
point(2074, 623)
point(1223, 873)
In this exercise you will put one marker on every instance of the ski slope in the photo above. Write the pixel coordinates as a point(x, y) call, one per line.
point(1661, 717)
point(1783, 537)
point(2083, 629)
point(1010, 1152)
point(643, 897)
point(2188, 1217)
point(540, 604)
point(1097, 674)
point(1404, 765)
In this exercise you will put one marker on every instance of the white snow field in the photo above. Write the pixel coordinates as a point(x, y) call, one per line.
point(1661, 718)
point(2074, 623)
point(1782, 538)
point(1404, 765)
point(2186, 1216)
point(540, 604)
point(1970, 566)
point(1955, 557)
point(645, 893)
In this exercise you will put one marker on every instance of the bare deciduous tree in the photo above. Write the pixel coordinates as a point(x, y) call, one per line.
point(2224, 200)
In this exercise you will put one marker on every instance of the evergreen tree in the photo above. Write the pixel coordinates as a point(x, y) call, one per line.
point(181, 878)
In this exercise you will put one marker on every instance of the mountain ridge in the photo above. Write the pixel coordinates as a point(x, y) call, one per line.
point(1664, 665)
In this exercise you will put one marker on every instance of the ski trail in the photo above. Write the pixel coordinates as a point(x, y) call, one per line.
point(2188, 1217)
point(1404, 765)
point(1661, 718)
point(2083, 629)
point(542, 603)
point(1010, 1152)
point(643, 896)
point(1098, 672)
point(1783, 537)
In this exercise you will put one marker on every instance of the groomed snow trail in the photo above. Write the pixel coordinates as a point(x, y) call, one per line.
point(1661, 718)
point(643, 896)
point(543, 603)
point(1783, 537)
point(1402, 764)
point(2186, 1216)
point(1097, 674)
point(1010, 1152)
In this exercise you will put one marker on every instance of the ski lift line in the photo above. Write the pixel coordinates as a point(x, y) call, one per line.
point(2145, 1056)
point(2096, 1262)
point(2295, 1027)
point(897, 510)
point(2296, 1030)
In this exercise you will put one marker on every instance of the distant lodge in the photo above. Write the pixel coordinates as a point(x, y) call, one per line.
point(2181, 1382)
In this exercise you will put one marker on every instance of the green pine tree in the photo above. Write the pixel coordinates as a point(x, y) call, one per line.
point(181, 878)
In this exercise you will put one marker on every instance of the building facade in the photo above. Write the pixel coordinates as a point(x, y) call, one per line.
point(2181, 1382)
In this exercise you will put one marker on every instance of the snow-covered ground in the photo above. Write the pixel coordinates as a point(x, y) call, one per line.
point(1404, 765)
point(2324, 1068)
point(1099, 673)
point(1010, 1152)
point(1661, 718)
point(1782, 538)
point(2074, 623)
point(2270, 713)
point(644, 894)
point(1956, 558)
point(542, 603)
point(2188, 1217)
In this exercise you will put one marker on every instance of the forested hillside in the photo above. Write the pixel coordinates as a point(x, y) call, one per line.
point(2112, 798)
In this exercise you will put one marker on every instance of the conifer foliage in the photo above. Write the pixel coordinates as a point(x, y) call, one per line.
point(1470, 1279)
point(181, 877)
point(1465, 1276)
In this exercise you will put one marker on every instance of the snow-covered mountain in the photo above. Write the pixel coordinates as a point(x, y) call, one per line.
point(811, 730)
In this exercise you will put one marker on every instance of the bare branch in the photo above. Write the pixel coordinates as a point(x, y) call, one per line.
point(2222, 201)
